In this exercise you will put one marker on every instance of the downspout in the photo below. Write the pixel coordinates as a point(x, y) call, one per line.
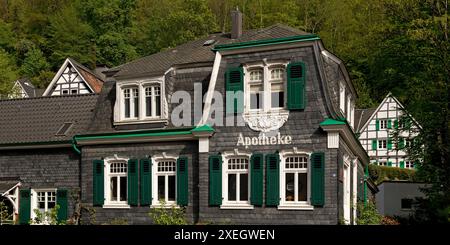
point(211, 87)
point(74, 145)
point(366, 176)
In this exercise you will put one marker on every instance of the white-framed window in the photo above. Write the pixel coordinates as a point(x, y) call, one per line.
point(265, 87)
point(409, 164)
point(277, 85)
point(153, 100)
point(164, 180)
point(256, 89)
point(382, 144)
point(295, 180)
point(65, 91)
point(236, 180)
point(116, 183)
point(383, 124)
point(43, 200)
point(141, 101)
point(130, 102)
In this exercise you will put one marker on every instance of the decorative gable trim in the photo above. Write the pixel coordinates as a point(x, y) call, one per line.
point(58, 75)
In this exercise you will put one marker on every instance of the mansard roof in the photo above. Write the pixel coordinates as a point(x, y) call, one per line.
point(38, 119)
point(196, 51)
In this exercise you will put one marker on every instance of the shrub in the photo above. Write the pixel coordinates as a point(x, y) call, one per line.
point(49, 217)
point(380, 173)
point(368, 214)
point(168, 216)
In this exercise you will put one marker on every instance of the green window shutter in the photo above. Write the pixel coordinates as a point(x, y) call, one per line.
point(377, 125)
point(396, 124)
point(182, 181)
point(374, 144)
point(389, 164)
point(234, 82)
point(61, 200)
point(256, 175)
point(402, 164)
point(296, 86)
point(98, 183)
point(215, 180)
point(318, 179)
point(146, 182)
point(389, 124)
point(273, 179)
point(24, 207)
point(389, 144)
point(133, 182)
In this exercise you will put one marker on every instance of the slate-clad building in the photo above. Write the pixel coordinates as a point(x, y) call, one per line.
point(264, 138)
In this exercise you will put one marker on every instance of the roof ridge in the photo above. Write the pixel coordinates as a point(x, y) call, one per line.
point(48, 97)
point(84, 68)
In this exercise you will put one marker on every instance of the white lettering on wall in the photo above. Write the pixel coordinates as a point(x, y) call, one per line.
point(263, 139)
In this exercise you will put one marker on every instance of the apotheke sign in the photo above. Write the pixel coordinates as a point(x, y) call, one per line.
point(263, 139)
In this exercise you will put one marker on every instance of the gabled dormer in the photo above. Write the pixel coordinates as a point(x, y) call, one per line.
point(74, 78)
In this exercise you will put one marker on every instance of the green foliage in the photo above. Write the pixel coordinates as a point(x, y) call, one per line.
point(8, 73)
point(380, 173)
point(5, 215)
point(368, 214)
point(168, 216)
point(33, 64)
point(49, 217)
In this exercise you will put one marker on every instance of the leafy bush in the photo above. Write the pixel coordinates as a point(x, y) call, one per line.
point(5, 216)
point(49, 217)
point(380, 173)
point(168, 216)
point(368, 214)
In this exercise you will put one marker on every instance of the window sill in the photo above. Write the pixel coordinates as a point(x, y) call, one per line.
point(295, 207)
point(236, 206)
point(118, 206)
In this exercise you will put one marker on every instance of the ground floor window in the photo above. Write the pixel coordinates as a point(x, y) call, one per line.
point(166, 174)
point(116, 182)
point(44, 200)
point(237, 178)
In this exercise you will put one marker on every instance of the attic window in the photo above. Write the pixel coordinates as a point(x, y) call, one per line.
point(62, 131)
point(209, 42)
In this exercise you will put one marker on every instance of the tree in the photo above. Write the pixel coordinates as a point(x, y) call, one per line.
point(34, 65)
point(8, 73)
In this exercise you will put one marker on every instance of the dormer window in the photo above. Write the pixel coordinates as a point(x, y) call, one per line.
point(265, 88)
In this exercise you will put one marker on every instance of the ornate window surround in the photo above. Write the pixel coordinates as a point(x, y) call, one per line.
point(119, 117)
point(267, 118)
point(301, 205)
point(155, 159)
point(236, 153)
point(107, 184)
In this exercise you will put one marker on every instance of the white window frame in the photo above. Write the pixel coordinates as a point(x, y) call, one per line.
point(382, 144)
point(107, 167)
point(119, 107)
point(409, 164)
point(294, 205)
point(155, 160)
point(255, 82)
point(226, 204)
point(34, 200)
point(152, 85)
point(383, 123)
point(266, 68)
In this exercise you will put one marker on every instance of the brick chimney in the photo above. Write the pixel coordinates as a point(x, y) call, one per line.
point(236, 24)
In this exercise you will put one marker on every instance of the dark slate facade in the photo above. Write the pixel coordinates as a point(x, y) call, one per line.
point(85, 159)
